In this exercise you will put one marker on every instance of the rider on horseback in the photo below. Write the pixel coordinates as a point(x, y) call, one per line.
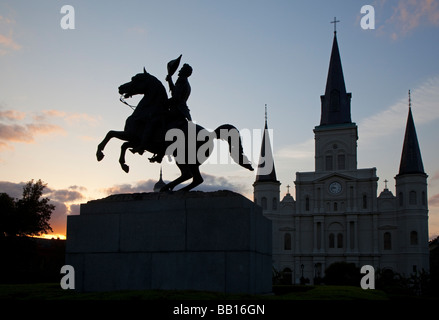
point(178, 110)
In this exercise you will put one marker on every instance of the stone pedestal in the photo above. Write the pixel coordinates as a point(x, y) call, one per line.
point(216, 241)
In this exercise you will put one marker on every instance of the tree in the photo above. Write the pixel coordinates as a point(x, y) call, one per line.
point(28, 216)
point(7, 210)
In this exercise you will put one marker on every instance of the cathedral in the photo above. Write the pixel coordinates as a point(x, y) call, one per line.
point(337, 214)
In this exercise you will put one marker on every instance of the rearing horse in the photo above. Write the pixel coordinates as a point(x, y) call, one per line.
point(190, 153)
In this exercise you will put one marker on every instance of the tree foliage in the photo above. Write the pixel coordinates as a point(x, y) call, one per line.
point(28, 216)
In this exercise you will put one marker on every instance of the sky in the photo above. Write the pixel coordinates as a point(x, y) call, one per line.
point(59, 97)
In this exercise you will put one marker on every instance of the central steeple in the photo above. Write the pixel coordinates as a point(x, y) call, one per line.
point(336, 103)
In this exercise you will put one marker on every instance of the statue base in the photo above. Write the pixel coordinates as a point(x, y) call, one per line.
point(208, 241)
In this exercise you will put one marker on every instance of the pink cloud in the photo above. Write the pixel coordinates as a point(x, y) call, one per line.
point(12, 115)
point(407, 15)
point(434, 200)
point(8, 42)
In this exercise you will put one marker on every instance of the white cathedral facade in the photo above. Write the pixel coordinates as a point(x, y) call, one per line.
point(337, 213)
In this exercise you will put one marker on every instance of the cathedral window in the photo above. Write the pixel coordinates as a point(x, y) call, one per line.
point(264, 203)
point(331, 240)
point(401, 199)
point(340, 240)
point(387, 241)
point(424, 198)
point(307, 203)
point(341, 162)
point(328, 162)
point(287, 241)
point(274, 204)
point(412, 197)
point(364, 201)
point(335, 206)
point(413, 238)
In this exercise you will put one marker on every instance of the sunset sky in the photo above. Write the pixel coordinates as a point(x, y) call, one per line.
point(58, 87)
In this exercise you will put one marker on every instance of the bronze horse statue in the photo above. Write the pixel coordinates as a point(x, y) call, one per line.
point(153, 111)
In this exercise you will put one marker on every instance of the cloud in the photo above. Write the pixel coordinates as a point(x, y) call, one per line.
point(26, 133)
point(14, 190)
point(215, 183)
point(7, 42)
point(211, 183)
point(434, 200)
point(18, 126)
point(388, 121)
point(407, 15)
point(138, 187)
point(12, 115)
point(65, 195)
point(71, 118)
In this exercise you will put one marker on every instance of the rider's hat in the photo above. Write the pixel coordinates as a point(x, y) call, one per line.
point(173, 65)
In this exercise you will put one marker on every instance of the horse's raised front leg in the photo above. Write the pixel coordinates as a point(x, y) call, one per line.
point(123, 150)
point(111, 134)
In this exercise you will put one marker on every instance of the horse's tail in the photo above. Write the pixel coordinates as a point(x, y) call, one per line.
point(229, 133)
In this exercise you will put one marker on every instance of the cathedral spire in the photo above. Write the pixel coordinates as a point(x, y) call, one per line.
point(336, 103)
point(411, 160)
point(266, 171)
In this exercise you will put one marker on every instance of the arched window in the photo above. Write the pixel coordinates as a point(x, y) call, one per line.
point(412, 197)
point(331, 240)
point(307, 203)
point(364, 201)
point(341, 162)
point(413, 238)
point(387, 241)
point(328, 163)
point(340, 240)
point(264, 203)
point(274, 204)
point(424, 198)
point(335, 206)
point(401, 199)
point(287, 241)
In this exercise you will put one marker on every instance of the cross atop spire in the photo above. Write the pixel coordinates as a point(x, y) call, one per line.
point(410, 100)
point(335, 24)
point(385, 182)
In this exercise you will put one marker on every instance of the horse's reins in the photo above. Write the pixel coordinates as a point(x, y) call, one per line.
point(121, 99)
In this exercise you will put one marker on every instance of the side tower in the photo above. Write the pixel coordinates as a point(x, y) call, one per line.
point(412, 205)
point(266, 188)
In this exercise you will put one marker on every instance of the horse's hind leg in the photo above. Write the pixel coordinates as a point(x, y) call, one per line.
point(123, 150)
point(185, 175)
point(197, 178)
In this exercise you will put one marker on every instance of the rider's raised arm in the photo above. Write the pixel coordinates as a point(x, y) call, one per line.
point(170, 82)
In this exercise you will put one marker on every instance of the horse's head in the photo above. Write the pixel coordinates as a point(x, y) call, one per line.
point(137, 85)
